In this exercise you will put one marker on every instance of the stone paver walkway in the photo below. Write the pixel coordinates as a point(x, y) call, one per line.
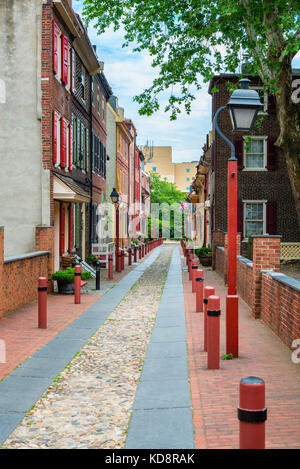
point(89, 404)
point(215, 392)
point(162, 417)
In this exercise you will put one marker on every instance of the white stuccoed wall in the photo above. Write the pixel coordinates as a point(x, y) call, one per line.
point(24, 185)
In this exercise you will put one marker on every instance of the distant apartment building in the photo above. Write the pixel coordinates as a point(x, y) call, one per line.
point(160, 161)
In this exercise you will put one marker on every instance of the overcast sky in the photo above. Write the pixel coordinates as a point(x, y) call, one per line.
point(128, 75)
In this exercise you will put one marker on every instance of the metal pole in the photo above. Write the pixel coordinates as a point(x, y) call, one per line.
point(231, 299)
point(98, 275)
point(117, 239)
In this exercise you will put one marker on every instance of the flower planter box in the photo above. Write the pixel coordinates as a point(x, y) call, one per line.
point(206, 261)
point(65, 288)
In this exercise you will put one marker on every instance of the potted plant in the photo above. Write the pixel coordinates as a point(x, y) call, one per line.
point(205, 256)
point(91, 259)
point(65, 280)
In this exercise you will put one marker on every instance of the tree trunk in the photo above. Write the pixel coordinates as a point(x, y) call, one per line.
point(289, 138)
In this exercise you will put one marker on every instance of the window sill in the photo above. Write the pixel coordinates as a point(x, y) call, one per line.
point(255, 169)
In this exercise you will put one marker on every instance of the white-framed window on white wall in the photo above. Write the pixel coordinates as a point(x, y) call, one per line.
point(254, 217)
point(255, 153)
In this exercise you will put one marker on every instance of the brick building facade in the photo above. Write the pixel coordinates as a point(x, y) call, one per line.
point(265, 199)
point(74, 95)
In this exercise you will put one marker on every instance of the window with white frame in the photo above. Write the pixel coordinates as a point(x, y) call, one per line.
point(59, 56)
point(58, 137)
point(255, 153)
point(254, 218)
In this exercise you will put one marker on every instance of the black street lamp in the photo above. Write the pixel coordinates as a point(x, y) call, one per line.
point(115, 200)
point(243, 107)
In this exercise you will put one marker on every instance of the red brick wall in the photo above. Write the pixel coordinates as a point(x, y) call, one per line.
point(280, 309)
point(244, 281)
point(219, 261)
point(19, 278)
point(20, 281)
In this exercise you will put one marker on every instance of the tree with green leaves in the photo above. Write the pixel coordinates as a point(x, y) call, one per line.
point(191, 40)
point(165, 194)
point(163, 191)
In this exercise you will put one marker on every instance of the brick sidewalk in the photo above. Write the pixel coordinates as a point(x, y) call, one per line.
point(19, 328)
point(215, 392)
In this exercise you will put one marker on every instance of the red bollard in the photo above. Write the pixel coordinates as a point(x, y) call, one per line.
point(119, 262)
point(199, 280)
point(194, 269)
point(252, 413)
point(213, 332)
point(189, 252)
point(208, 291)
point(192, 262)
point(143, 250)
point(110, 266)
point(42, 303)
point(140, 252)
point(129, 256)
point(135, 254)
point(77, 283)
point(123, 259)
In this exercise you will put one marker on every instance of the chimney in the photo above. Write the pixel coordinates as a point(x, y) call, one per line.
point(245, 64)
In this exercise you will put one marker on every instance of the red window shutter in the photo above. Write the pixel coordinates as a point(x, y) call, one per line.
point(239, 151)
point(70, 148)
point(62, 230)
point(240, 218)
point(70, 229)
point(65, 59)
point(63, 144)
point(73, 70)
point(271, 104)
point(54, 143)
point(55, 46)
point(271, 215)
point(272, 154)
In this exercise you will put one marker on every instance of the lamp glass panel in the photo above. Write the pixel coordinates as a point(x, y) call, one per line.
point(243, 117)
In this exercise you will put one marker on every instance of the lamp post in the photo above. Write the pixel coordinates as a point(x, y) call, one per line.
point(115, 200)
point(243, 107)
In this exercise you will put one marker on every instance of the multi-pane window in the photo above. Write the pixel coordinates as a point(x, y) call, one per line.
point(255, 153)
point(82, 83)
point(81, 144)
point(98, 100)
point(103, 108)
point(254, 218)
point(93, 91)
